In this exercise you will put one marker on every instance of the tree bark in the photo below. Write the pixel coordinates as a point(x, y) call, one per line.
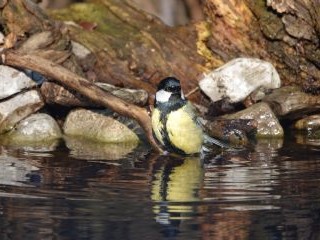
point(285, 32)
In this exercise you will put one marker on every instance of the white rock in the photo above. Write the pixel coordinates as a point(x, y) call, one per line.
point(238, 78)
point(17, 108)
point(35, 128)
point(13, 81)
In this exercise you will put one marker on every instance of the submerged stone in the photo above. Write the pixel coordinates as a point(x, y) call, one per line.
point(311, 138)
point(91, 150)
point(17, 108)
point(308, 123)
point(267, 123)
point(37, 127)
point(97, 126)
point(13, 81)
point(30, 146)
point(238, 78)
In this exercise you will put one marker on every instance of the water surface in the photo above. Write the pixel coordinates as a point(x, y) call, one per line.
point(76, 191)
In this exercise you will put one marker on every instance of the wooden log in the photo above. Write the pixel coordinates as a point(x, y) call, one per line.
point(81, 85)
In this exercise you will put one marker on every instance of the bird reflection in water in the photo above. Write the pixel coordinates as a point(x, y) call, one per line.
point(230, 179)
point(175, 185)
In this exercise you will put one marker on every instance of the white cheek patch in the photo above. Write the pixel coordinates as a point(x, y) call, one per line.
point(163, 96)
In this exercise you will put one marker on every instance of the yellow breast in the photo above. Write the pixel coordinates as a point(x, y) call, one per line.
point(183, 131)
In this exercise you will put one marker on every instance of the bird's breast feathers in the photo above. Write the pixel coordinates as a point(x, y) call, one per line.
point(183, 131)
point(179, 128)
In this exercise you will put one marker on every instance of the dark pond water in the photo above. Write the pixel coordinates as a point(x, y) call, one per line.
point(269, 192)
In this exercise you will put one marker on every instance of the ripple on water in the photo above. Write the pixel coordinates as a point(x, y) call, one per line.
point(271, 191)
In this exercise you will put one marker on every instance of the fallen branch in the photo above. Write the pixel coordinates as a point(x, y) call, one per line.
point(83, 86)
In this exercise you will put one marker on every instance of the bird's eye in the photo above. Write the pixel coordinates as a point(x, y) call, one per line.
point(172, 88)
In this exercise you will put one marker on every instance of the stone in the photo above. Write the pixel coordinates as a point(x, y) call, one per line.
point(39, 127)
point(309, 128)
point(234, 132)
point(17, 108)
point(237, 79)
point(267, 123)
point(13, 81)
point(97, 126)
point(291, 103)
point(308, 123)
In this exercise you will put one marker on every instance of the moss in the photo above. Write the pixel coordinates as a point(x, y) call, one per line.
point(106, 22)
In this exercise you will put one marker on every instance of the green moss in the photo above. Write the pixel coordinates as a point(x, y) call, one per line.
point(106, 21)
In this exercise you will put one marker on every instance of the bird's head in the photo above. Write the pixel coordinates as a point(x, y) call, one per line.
point(169, 89)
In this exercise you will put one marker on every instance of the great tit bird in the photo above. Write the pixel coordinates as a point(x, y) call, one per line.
point(174, 120)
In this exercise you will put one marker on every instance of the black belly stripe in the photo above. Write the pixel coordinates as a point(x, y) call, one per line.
point(165, 109)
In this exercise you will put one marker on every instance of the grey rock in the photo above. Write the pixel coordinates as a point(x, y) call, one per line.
point(238, 78)
point(17, 108)
point(267, 123)
point(97, 126)
point(38, 127)
point(13, 81)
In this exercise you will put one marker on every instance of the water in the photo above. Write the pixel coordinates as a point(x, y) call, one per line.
point(269, 192)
